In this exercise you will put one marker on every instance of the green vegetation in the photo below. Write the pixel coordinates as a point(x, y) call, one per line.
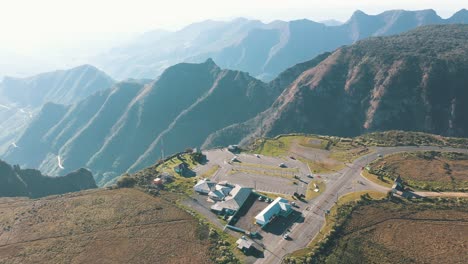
point(15, 182)
point(383, 231)
point(222, 246)
point(332, 152)
point(406, 138)
point(274, 147)
point(210, 172)
point(126, 181)
point(429, 170)
point(377, 179)
point(310, 194)
point(331, 222)
point(182, 183)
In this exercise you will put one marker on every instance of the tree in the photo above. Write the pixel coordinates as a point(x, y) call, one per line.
point(126, 181)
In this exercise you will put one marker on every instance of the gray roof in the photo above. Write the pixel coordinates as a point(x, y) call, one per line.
point(235, 200)
point(244, 243)
point(205, 185)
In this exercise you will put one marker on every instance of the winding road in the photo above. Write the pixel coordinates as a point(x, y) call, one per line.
point(337, 184)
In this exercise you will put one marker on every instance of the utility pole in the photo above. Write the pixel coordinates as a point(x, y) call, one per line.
point(162, 148)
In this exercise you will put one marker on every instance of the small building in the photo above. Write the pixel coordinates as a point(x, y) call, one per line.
point(279, 207)
point(244, 244)
point(220, 192)
point(233, 148)
point(157, 182)
point(233, 202)
point(181, 168)
point(204, 186)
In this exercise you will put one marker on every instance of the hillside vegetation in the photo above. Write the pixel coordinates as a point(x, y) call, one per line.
point(414, 81)
point(436, 171)
point(102, 226)
point(395, 232)
point(130, 126)
point(15, 181)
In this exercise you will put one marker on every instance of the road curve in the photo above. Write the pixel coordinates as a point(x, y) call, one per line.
point(338, 184)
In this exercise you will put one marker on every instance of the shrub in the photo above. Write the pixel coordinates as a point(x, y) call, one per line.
point(126, 181)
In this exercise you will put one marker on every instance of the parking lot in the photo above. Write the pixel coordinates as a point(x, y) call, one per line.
point(246, 216)
point(261, 173)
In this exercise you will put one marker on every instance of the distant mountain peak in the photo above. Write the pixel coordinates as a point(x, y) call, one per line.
point(210, 61)
point(460, 16)
point(331, 22)
point(359, 13)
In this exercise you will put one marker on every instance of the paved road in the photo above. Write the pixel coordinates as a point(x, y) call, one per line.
point(338, 184)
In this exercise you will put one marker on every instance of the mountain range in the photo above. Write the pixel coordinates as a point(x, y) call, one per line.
point(63, 86)
point(415, 81)
point(127, 127)
point(412, 81)
point(15, 181)
point(262, 49)
point(22, 98)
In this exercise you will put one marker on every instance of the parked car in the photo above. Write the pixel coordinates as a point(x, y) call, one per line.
point(282, 165)
point(286, 236)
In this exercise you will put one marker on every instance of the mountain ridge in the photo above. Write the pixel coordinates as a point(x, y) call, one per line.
point(15, 181)
point(354, 89)
point(273, 47)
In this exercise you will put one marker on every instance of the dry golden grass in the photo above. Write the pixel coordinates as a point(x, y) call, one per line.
point(427, 170)
point(100, 226)
point(330, 219)
point(402, 233)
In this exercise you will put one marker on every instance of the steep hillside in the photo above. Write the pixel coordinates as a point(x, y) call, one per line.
point(415, 81)
point(15, 181)
point(65, 86)
point(132, 125)
point(263, 50)
point(21, 98)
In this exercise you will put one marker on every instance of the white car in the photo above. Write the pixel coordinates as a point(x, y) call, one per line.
point(256, 155)
point(286, 236)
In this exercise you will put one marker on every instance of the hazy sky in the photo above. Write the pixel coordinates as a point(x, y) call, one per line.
point(42, 26)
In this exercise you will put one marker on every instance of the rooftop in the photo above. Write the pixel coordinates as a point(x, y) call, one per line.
point(278, 205)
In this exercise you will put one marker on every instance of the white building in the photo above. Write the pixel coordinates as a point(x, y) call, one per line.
point(279, 207)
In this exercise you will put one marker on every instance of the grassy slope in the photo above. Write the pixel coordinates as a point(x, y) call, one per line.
point(405, 232)
point(437, 171)
point(224, 250)
point(103, 226)
point(394, 232)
